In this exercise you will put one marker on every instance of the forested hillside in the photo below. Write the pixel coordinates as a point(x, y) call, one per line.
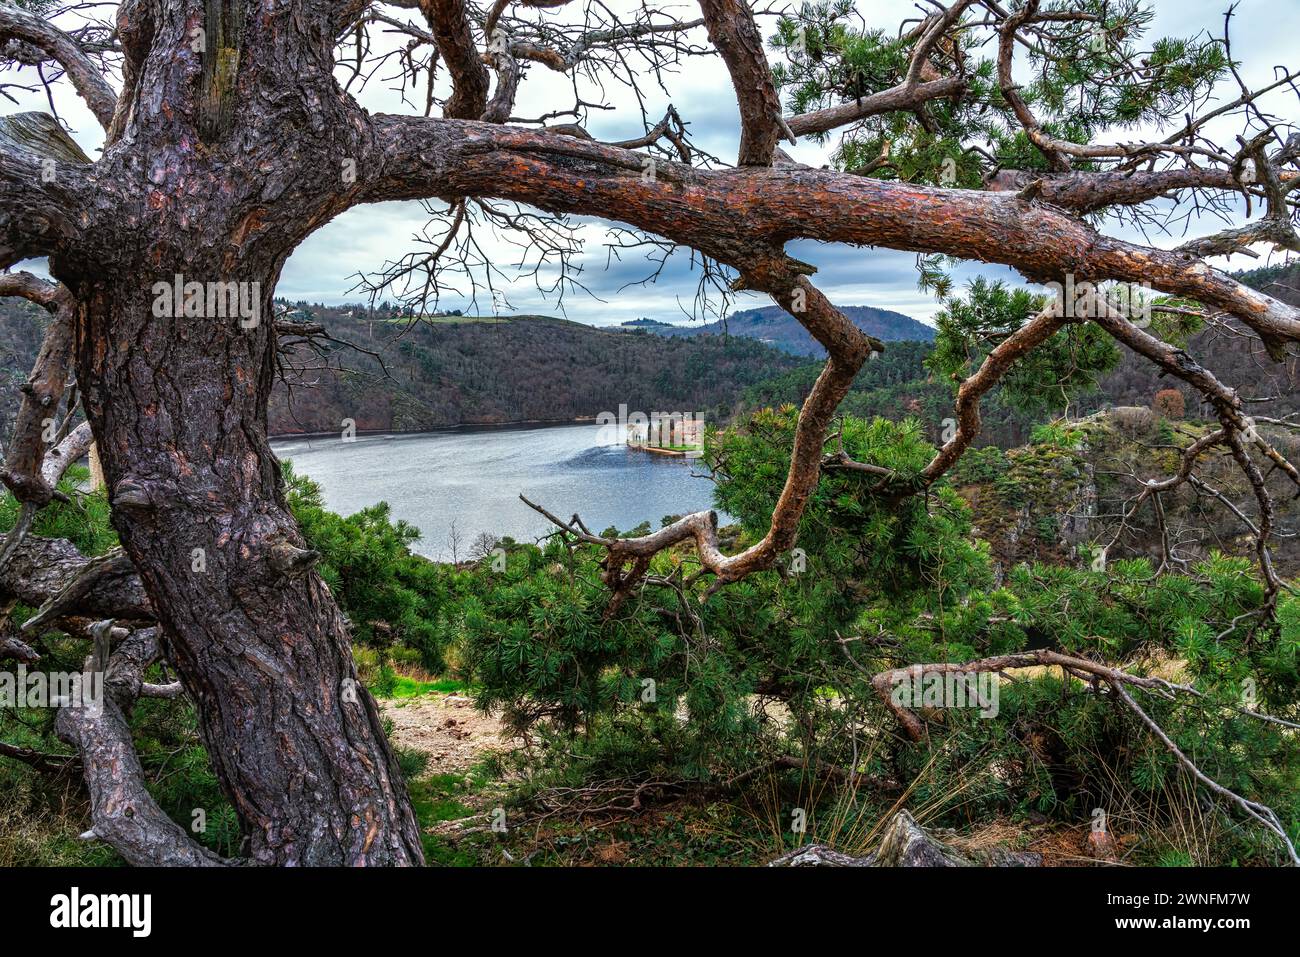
point(897, 383)
point(407, 374)
point(460, 370)
point(387, 372)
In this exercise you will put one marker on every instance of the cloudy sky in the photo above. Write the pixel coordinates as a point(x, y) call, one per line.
point(326, 266)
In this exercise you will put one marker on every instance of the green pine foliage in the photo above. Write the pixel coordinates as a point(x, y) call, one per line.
point(81, 519)
point(678, 688)
point(1070, 362)
point(882, 583)
point(1083, 78)
point(391, 596)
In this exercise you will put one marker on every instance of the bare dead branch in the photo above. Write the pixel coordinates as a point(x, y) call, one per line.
point(1032, 334)
point(125, 814)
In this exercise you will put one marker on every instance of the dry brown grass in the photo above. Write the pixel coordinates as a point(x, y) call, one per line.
point(37, 831)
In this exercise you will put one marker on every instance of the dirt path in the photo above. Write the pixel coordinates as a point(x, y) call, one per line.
point(446, 727)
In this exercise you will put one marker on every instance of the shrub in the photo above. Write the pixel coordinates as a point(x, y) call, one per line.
point(673, 686)
point(1169, 403)
point(391, 596)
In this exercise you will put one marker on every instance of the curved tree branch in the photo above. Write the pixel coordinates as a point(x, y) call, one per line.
point(904, 96)
point(40, 187)
point(726, 214)
point(19, 24)
point(734, 33)
point(848, 348)
point(124, 813)
point(451, 27)
point(1028, 337)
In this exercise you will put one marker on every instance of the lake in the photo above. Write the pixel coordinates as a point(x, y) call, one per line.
point(468, 480)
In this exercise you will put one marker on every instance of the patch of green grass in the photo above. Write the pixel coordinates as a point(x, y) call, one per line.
point(411, 761)
point(1175, 858)
point(438, 798)
point(404, 687)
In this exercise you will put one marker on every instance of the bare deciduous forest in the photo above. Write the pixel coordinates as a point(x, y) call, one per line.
point(1020, 592)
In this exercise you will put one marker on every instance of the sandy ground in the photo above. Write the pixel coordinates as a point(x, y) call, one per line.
point(448, 728)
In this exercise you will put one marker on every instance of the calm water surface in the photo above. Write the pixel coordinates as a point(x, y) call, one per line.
point(473, 477)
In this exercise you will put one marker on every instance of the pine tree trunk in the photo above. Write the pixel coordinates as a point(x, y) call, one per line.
point(228, 144)
point(178, 408)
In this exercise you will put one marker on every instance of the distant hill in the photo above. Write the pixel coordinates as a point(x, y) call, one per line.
point(773, 326)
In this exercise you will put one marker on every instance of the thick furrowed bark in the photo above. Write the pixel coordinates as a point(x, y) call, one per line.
point(41, 187)
point(66, 585)
point(13, 647)
point(42, 569)
point(177, 406)
point(255, 637)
